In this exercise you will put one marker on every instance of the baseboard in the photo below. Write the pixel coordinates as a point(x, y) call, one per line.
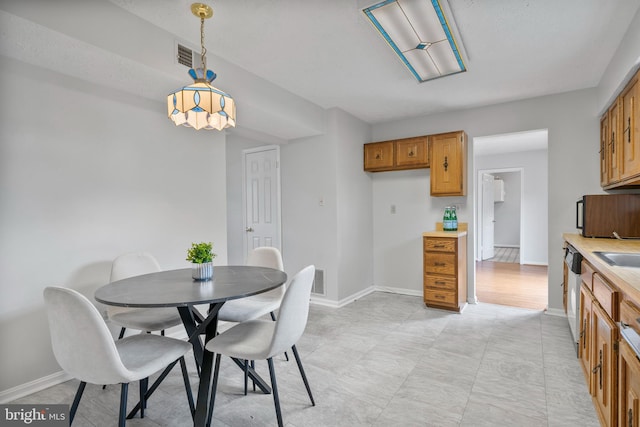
point(345, 301)
point(556, 312)
point(399, 291)
point(34, 386)
point(544, 264)
point(505, 246)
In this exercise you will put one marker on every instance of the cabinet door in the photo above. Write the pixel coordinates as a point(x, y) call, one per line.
point(412, 153)
point(584, 345)
point(613, 146)
point(629, 383)
point(630, 136)
point(604, 153)
point(605, 366)
point(448, 164)
point(378, 156)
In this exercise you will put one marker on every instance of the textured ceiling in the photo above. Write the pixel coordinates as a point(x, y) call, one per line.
point(323, 51)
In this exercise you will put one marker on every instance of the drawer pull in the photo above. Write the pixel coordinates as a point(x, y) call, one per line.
point(439, 264)
point(440, 283)
point(438, 246)
point(440, 296)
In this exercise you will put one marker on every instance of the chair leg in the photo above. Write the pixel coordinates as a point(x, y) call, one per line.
point(246, 375)
point(122, 419)
point(187, 386)
point(144, 384)
point(76, 401)
point(304, 377)
point(273, 317)
point(253, 366)
point(214, 387)
point(274, 389)
point(121, 333)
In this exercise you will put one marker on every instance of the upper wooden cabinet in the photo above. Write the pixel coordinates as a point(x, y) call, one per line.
point(620, 139)
point(448, 164)
point(399, 154)
point(378, 156)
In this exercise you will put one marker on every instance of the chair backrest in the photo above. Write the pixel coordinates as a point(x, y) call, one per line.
point(81, 341)
point(294, 311)
point(270, 257)
point(133, 264)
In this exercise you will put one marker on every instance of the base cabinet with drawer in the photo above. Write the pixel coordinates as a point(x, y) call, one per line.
point(445, 269)
point(628, 371)
point(598, 345)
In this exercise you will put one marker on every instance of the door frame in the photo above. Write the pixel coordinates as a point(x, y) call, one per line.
point(278, 201)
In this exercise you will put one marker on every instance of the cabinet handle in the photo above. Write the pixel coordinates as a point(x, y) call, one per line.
point(440, 296)
point(377, 156)
point(630, 417)
point(598, 369)
point(438, 246)
point(440, 283)
point(583, 334)
point(628, 129)
point(439, 264)
point(613, 142)
point(445, 164)
point(411, 153)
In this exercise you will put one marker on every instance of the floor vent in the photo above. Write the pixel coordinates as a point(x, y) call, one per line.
point(185, 56)
point(318, 283)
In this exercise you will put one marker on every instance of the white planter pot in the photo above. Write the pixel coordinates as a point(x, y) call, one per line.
point(202, 271)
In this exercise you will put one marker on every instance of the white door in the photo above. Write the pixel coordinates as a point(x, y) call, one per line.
point(262, 197)
point(488, 219)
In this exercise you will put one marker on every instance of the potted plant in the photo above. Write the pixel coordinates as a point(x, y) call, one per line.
point(201, 256)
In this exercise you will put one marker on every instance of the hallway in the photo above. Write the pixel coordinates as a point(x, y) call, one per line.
point(512, 284)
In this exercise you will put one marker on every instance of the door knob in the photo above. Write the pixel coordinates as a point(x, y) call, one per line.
point(248, 229)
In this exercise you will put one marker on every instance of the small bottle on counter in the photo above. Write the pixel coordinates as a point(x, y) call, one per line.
point(454, 219)
point(446, 220)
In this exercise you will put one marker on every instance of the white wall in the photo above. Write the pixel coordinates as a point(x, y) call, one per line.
point(534, 230)
point(87, 173)
point(507, 213)
point(326, 206)
point(573, 126)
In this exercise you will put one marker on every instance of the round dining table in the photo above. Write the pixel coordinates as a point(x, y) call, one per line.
point(176, 288)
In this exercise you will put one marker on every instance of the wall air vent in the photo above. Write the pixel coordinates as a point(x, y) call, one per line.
point(184, 56)
point(318, 283)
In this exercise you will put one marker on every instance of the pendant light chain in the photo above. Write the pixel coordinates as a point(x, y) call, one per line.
point(203, 58)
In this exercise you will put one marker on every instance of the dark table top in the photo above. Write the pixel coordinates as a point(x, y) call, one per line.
point(176, 288)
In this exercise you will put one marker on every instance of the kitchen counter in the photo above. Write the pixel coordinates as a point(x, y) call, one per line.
point(627, 279)
point(438, 232)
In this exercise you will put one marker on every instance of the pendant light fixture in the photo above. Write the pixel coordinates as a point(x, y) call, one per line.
point(200, 105)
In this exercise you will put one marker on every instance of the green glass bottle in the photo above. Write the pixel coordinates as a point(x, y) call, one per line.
point(446, 221)
point(454, 219)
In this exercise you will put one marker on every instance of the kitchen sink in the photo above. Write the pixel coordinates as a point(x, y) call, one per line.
point(620, 259)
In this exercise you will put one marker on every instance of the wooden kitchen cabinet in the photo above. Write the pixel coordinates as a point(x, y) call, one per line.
point(378, 156)
point(604, 364)
point(598, 344)
point(604, 153)
point(628, 372)
point(448, 164)
point(399, 154)
point(445, 270)
point(584, 345)
point(613, 146)
point(620, 139)
point(629, 135)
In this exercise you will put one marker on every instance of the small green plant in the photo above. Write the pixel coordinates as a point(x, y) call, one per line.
point(199, 253)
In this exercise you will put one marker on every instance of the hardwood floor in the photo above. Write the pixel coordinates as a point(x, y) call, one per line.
point(511, 284)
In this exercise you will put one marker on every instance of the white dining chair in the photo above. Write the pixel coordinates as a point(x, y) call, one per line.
point(262, 339)
point(143, 319)
point(85, 349)
point(243, 309)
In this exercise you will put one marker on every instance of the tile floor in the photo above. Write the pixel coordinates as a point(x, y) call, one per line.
point(386, 360)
